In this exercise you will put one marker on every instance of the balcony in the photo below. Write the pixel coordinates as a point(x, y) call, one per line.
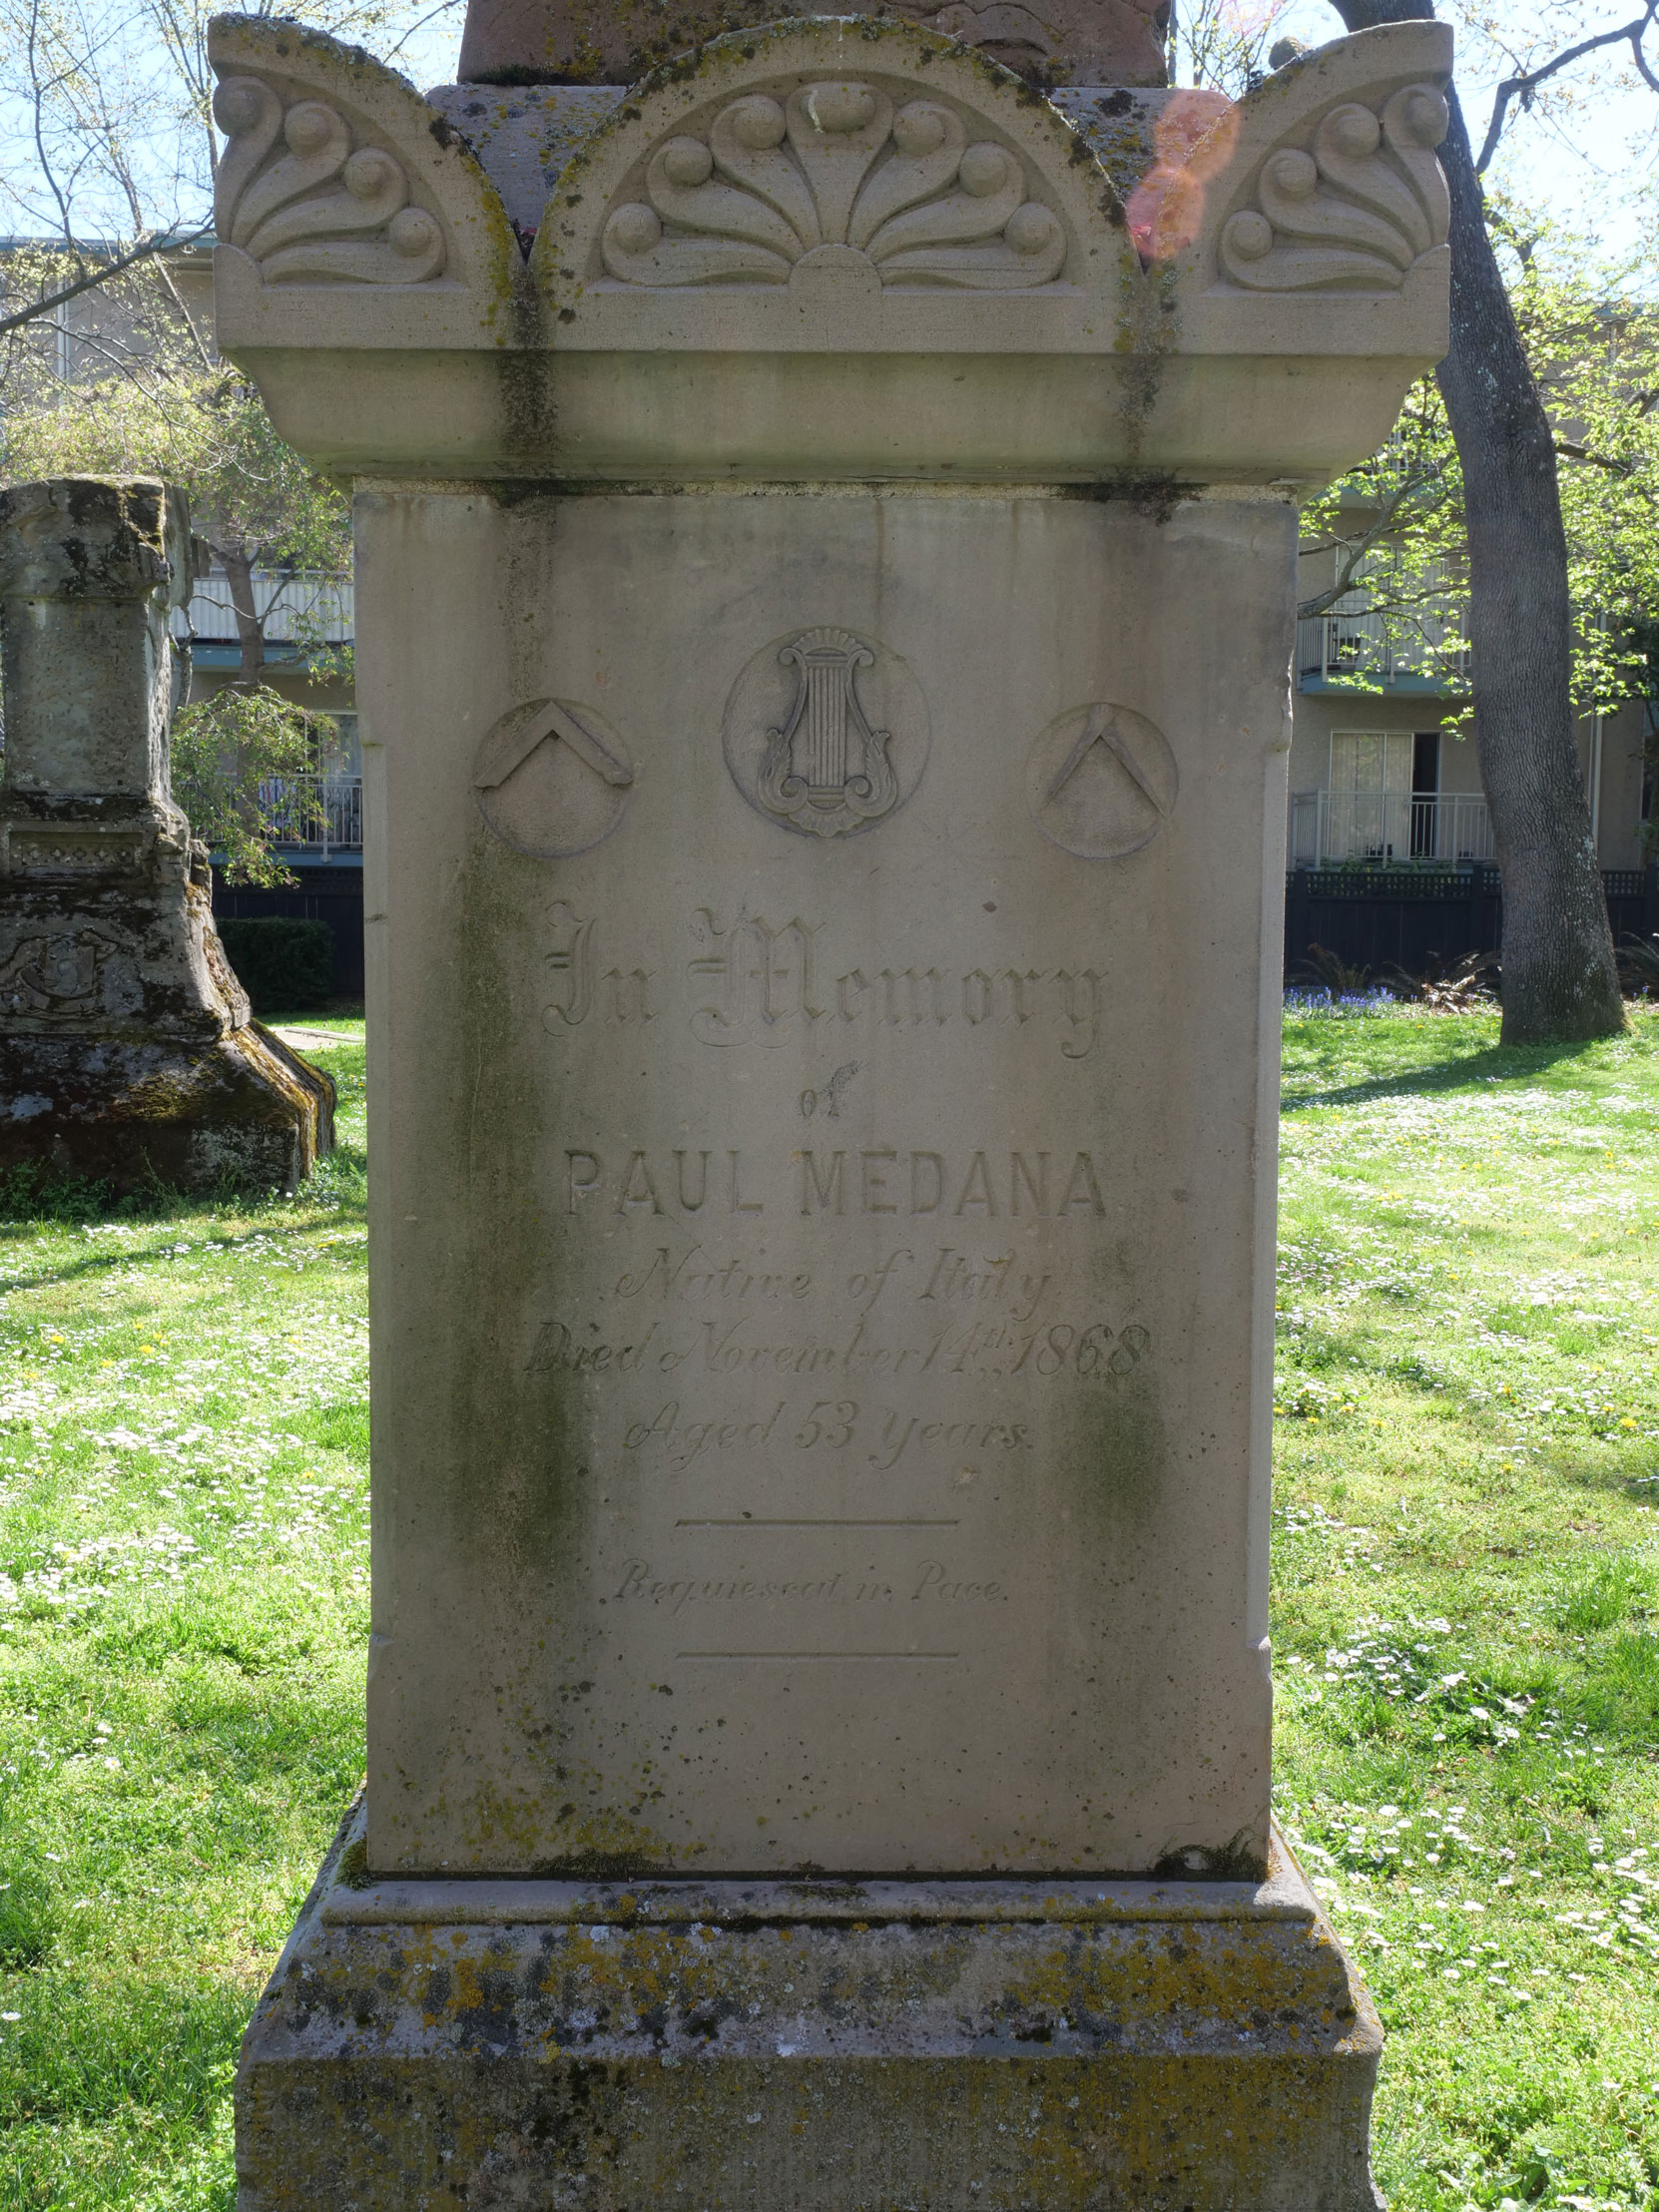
point(316, 815)
point(1386, 828)
point(308, 607)
point(1355, 651)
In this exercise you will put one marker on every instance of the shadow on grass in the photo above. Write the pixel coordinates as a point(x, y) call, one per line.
point(1461, 1071)
point(24, 1210)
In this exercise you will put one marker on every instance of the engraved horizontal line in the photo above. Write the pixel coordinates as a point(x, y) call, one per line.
point(745, 1521)
point(908, 1655)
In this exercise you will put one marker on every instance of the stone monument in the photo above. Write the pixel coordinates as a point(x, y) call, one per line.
point(127, 1052)
point(825, 621)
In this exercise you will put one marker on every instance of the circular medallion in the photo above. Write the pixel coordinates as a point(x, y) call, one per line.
point(826, 732)
point(1101, 781)
point(551, 779)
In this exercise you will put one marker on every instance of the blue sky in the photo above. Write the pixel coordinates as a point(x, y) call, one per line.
point(1591, 171)
point(1592, 160)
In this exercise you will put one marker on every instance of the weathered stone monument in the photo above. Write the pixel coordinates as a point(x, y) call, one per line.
point(127, 1052)
point(824, 630)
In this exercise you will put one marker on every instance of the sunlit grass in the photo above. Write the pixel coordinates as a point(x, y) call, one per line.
point(182, 1613)
point(1466, 1605)
point(1466, 1580)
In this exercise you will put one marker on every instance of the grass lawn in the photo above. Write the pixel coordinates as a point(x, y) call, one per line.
point(1466, 1617)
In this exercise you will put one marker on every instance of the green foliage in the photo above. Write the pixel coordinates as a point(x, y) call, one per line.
point(33, 1193)
point(26, 1918)
point(147, 401)
point(1639, 964)
point(1391, 530)
point(1327, 971)
point(283, 963)
point(236, 758)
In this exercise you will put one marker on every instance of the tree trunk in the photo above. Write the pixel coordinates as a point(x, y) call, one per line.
point(239, 568)
point(1559, 975)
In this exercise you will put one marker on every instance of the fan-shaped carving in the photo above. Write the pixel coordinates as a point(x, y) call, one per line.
point(835, 174)
point(1356, 213)
point(306, 205)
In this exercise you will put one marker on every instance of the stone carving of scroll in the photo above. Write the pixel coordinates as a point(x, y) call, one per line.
point(835, 175)
point(1356, 213)
point(307, 203)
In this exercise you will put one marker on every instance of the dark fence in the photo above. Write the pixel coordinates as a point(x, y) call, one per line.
point(1371, 917)
point(331, 895)
point(1422, 919)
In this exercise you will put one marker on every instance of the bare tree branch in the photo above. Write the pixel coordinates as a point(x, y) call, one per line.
point(37, 93)
point(1611, 463)
point(101, 275)
point(1523, 86)
point(420, 24)
point(1383, 524)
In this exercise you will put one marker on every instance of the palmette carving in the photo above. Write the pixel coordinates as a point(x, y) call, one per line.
point(835, 180)
point(1353, 214)
point(308, 204)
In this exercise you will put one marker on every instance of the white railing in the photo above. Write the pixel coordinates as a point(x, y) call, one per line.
point(1359, 646)
point(309, 605)
point(1397, 826)
point(323, 812)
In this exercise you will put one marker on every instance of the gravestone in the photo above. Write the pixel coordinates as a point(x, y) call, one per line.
point(127, 1052)
point(825, 621)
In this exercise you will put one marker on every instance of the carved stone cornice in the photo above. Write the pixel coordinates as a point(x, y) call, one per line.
point(836, 249)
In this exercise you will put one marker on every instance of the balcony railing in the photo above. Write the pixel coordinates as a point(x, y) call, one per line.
point(305, 606)
point(1395, 826)
point(324, 813)
point(1359, 646)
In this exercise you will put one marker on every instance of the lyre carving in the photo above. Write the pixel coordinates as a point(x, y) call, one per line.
point(827, 770)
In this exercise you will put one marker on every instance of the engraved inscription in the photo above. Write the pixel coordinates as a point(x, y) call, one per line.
point(1035, 1184)
point(930, 1313)
point(675, 1441)
point(760, 984)
point(979, 1349)
point(928, 1580)
point(766, 984)
point(826, 1357)
point(829, 1097)
point(611, 996)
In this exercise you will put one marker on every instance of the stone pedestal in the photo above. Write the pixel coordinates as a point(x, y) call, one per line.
point(825, 631)
point(1129, 2046)
point(588, 42)
point(127, 1053)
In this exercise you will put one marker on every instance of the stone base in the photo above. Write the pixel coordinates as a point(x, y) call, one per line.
point(807, 2046)
point(240, 1108)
